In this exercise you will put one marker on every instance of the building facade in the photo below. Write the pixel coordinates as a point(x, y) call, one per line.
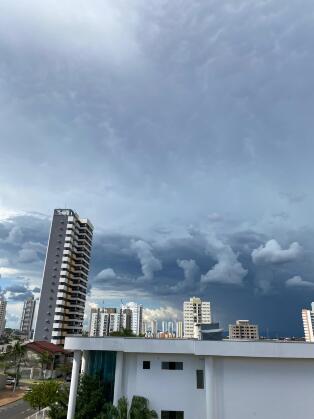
point(104, 321)
point(64, 286)
point(195, 311)
point(190, 379)
point(179, 329)
point(27, 317)
point(308, 324)
point(131, 317)
point(243, 330)
point(3, 310)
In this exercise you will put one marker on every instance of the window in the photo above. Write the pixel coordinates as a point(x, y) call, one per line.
point(172, 365)
point(200, 379)
point(146, 365)
point(172, 414)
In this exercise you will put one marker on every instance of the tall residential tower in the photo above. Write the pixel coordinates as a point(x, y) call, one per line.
point(3, 309)
point(195, 311)
point(63, 293)
point(27, 317)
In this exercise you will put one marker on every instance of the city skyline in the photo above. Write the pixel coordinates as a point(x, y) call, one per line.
point(187, 141)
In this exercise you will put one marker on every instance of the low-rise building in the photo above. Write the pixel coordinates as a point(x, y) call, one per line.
point(190, 379)
point(243, 330)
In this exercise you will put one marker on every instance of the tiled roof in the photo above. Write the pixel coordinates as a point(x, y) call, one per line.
point(42, 346)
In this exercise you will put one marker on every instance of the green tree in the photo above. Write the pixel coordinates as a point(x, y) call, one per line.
point(90, 400)
point(44, 394)
point(16, 357)
point(140, 409)
point(123, 332)
point(58, 409)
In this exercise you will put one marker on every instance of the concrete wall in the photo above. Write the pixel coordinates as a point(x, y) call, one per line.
point(264, 388)
point(244, 388)
point(165, 389)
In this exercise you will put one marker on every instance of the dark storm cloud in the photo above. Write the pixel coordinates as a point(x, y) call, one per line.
point(182, 129)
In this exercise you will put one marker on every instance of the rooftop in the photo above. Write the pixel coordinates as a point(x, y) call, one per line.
point(225, 348)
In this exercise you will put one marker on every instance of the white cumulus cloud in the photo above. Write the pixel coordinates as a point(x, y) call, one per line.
point(298, 281)
point(227, 270)
point(149, 263)
point(272, 252)
point(107, 273)
point(162, 313)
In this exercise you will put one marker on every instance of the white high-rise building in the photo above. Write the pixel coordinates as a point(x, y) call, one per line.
point(64, 287)
point(179, 329)
point(27, 317)
point(308, 324)
point(170, 327)
point(154, 328)
point(195, 311)
point(243, 330)
point(164, 326)
point(104, 321)
point(132, 317)
point(3, 309)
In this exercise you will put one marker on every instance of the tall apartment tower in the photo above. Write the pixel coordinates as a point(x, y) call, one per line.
point(3, 309)
point(195, 311)
point(103, 321)
point(179, 329)
point(63, 293)
point(308, 324)
point(132, 317)
point(243, 330)
point(27, 317)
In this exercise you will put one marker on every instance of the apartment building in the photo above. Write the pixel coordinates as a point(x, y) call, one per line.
point(308, 324)
point(3, 309)
point(27, 317)
point(243, 330)
point(131, 317)
point(195, 311)
point(64, 286)
point(179, 329)
point(104, 321)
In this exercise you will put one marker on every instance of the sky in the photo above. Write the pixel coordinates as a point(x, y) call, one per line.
point(184, 131)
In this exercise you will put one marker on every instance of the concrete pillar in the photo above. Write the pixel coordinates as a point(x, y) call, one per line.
point(31, 373)
point(85, 358)
point(74, 383)
point(117, 394)
point(209, 387)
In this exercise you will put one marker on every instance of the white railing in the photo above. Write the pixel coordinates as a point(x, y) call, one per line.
point(41, 414)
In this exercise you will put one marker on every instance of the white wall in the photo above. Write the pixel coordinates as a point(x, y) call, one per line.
point(245, 388)
point(264, 388)
point(165, 389)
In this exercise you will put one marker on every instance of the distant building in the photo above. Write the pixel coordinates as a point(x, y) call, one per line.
point(27, 317)
point(243, 330)
point(308, 324)
point(154, 328)
point(132, 317)
point(179, 329)
point(104, 321)
point(195, 311)
point(164, 326)
point(65, 279)
point(3, 309)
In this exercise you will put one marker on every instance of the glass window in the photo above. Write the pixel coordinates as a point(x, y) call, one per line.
point(199, 379)
point(146, 365)
point(172, 414)
point(171, 365)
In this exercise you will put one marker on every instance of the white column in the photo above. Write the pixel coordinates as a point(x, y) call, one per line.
point(74, 383)
point(117, 394)
point(209, 387)
point(84, 362)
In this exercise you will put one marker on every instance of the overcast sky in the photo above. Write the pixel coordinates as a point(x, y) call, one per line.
point(183, 130)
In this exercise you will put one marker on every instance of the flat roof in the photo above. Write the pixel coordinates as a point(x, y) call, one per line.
point(254, 349)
